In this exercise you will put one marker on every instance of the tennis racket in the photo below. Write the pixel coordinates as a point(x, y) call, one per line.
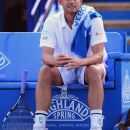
point(20, 117)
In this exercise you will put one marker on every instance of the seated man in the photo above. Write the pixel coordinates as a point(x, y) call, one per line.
point(73, 50)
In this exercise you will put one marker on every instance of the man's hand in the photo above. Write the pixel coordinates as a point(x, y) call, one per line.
point(72, 62)
point(60, 61)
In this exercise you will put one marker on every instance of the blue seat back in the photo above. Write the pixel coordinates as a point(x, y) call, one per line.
point(23, 52)
point(116, 42)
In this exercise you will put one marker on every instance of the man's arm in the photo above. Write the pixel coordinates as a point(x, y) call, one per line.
point(50, 60)
point(96, 58)
point(47, 56)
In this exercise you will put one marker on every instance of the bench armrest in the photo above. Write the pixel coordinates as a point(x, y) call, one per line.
point(112, 58)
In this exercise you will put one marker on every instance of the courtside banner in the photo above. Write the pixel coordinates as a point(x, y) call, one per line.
point(68, 109)
point(125, 85)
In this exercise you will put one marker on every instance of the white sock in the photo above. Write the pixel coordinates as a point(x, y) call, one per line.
point(96, 119)
point(41, 117)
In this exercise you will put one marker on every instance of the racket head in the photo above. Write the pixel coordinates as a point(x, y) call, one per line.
point(19, 119)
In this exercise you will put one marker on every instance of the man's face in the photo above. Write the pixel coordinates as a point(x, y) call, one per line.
point(70, 6)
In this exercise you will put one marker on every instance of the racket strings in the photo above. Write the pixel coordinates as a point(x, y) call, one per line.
point(19, 119)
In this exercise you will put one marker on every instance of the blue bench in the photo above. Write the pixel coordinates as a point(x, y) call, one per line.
point(19, 51)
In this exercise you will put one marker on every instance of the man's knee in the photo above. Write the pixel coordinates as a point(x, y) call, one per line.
point(44, 70)
point(93, 74)
point(45, 74)
point(51, 75)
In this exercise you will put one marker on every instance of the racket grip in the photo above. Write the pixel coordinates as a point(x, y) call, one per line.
point(24, 79)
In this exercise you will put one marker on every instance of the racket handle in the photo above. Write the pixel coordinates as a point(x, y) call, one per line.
point(24, 79)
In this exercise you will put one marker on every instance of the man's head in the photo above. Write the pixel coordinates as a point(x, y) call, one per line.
point(70, 6)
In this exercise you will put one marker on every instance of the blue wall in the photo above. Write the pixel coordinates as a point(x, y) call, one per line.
point(16, 60)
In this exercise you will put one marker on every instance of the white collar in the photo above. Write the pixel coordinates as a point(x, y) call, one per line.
point(63, 21)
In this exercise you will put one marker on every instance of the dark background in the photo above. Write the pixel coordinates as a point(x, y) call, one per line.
point(15, 14)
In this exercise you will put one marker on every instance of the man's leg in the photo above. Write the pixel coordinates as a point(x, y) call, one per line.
point(94, 77)
point(48, 76)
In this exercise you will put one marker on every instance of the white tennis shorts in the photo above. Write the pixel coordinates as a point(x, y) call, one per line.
point(75, 75)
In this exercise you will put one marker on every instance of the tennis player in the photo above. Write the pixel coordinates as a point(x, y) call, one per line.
point(73, 51)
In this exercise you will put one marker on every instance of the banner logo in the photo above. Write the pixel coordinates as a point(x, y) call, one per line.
point(67, 107)
point(126, 88)
point(4, 61)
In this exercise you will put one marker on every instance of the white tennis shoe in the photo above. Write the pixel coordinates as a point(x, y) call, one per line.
point(39, 127)
point(96, 129)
